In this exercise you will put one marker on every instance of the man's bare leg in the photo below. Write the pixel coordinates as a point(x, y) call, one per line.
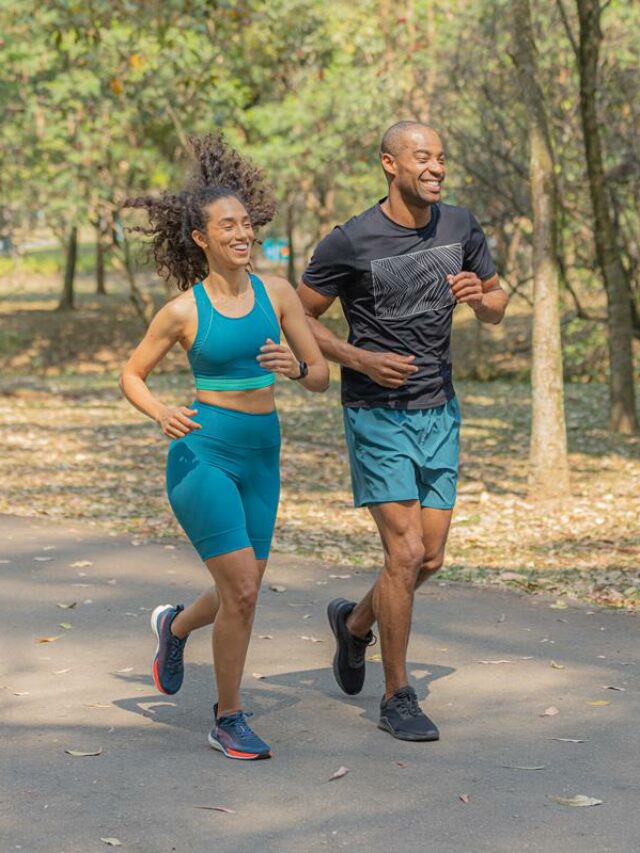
point(435, 525)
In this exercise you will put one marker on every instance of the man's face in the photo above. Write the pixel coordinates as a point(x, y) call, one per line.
point(417, 167)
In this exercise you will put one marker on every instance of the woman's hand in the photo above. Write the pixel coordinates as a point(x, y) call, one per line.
point(175, 421)
point(279, 359)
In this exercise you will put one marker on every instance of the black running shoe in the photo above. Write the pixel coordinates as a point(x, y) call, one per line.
point(403, 718)
point(348, 661)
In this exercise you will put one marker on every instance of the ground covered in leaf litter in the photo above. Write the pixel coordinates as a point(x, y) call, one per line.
point(75, 449)
point(537, 710)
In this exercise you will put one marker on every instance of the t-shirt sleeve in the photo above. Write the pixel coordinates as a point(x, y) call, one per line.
point(332, 265)
point(477, 255)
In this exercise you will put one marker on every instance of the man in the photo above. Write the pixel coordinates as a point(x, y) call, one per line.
point(399, 269)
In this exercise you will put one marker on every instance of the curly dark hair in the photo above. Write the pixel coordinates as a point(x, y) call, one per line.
point(218, 172)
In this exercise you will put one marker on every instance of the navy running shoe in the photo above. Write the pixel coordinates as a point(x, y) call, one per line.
point(402, 717)
point(234, 738)
point(168, 663)
point(348, 661)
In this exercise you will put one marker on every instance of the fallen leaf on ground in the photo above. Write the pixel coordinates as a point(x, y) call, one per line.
point(258, 675)
point(265, 636)
point(578, 800)
point(567, 739)
point(599, 702)
point(495, 661)
point(401, 764)
point(555, 665)
point(277, 588)
point(112, 842)
point(340, 772)
point(61, 671)
point(375, 658)
point(559, 605)
point(76, 753)
point(21, 693)
point(46, 639)
point(521, 767)
point(340, 577)
point(65, 625)
point(613, 687)
point(67, 606)
point(42, 559)
point(216, 809)
point(465, 798)
point(96, 705)
point(512, 576)
point(80, 564)
point(311, 639)
point(126, 669)
point(551, 711)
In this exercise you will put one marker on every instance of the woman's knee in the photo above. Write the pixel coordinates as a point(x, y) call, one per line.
point(242, 600)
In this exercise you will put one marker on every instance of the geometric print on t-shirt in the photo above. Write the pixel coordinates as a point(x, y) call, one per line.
point(405, 285)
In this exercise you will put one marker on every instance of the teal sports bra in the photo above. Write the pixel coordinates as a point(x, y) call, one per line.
point(223, 354)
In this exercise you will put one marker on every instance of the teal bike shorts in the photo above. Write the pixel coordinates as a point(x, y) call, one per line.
point(223, 480)
point(404, 454)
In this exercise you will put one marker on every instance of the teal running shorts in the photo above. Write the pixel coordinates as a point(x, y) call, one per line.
point(404, 454)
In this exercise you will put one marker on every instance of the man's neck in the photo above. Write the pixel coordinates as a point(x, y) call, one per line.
point(408, 215)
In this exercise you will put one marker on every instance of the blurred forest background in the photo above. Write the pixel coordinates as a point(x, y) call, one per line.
point(97, 100)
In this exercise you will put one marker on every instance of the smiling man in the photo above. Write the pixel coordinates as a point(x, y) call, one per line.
point(399, 269)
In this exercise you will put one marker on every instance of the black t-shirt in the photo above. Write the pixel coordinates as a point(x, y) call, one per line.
point(391, 281)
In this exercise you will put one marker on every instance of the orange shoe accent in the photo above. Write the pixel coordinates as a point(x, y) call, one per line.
point(156, 679)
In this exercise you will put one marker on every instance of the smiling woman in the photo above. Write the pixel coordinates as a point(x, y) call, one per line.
point(223, 478)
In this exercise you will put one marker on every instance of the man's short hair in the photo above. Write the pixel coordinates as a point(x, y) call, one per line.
point(392, 139)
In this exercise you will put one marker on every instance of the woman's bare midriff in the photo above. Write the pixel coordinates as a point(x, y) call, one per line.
point(258, 401)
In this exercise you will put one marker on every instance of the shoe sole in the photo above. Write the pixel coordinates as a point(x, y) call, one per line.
point(385, 727)
point(154, 665)
point(336, 671)
point(236, 754)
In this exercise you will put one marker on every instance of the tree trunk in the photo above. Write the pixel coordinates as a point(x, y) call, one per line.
point(142, 302)
point(100, 258)
point(291, 260)
point(67, 299)
point(549, 469)
point(623, 417)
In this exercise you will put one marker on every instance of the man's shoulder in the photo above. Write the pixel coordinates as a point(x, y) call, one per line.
point(454, 212)
point(359, 222)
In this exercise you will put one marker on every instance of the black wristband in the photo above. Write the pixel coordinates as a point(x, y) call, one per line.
point(304, 370)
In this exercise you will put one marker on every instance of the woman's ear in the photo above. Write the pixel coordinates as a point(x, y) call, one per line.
point(199, 239)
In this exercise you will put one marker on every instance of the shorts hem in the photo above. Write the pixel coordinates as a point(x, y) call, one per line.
point(369, 501)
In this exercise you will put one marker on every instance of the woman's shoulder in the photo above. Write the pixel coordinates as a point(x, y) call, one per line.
point(275, 285)
point(178, 310)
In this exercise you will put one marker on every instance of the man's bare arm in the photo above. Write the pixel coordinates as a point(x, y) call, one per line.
point(487, 298)
point(386, 368)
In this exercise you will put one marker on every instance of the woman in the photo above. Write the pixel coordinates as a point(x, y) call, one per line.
point(223, 460)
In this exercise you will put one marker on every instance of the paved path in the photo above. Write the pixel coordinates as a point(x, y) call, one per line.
point(91, 688)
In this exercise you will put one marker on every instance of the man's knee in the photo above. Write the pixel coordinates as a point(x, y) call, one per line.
point(406, 557)
point(430, 565)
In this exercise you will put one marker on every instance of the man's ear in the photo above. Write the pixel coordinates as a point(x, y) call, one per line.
point(388, 164)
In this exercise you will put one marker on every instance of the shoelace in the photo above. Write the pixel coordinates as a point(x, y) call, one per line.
point(407, 704)
point(174, 659)
point(239, 724)
point(357, 649)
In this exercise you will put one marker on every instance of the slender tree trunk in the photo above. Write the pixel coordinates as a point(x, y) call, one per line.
point(142, 302)
point(100, 259)
point(100, 278)
point(623, 417)
point(291, 260)
point(549, 469)
point(67, 299)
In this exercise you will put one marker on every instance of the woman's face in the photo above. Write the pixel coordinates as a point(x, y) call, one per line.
point(229, 234)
